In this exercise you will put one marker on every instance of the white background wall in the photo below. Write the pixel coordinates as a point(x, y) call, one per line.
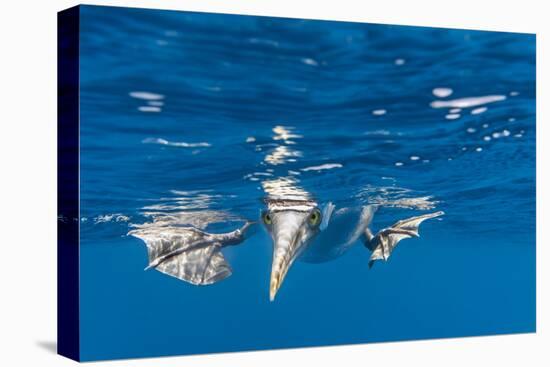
point(28, 182)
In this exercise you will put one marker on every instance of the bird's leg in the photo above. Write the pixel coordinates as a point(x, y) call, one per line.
point(367, 239)
point(366, 218)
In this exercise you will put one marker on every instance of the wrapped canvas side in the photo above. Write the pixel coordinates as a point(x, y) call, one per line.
point(68, 184)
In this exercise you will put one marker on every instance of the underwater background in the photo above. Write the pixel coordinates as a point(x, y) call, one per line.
point(195, 118)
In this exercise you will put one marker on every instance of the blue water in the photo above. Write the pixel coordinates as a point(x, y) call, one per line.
point(237, 107)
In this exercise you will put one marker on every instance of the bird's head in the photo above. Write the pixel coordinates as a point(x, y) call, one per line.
point(292, 227)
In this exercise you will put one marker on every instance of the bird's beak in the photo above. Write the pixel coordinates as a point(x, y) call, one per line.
point(288, 241)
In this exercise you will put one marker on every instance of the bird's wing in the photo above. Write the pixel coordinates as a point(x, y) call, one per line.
point(414, 222)
point(161, 240)
point(199, 266)
point(387, 239)
point(345, 228)
point(184, 253)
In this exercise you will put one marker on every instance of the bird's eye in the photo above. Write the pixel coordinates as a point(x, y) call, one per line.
point(267, 218)
point(315, 217)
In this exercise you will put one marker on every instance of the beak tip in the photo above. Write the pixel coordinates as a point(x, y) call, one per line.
point(272, 292)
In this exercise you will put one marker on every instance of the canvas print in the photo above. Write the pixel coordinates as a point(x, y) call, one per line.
point(235, 183)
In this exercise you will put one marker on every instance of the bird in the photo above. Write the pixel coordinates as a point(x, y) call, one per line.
point(299, 227)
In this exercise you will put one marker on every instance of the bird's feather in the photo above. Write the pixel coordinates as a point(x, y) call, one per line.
point(385, 241)
point(185, 253)
point(200, 266)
